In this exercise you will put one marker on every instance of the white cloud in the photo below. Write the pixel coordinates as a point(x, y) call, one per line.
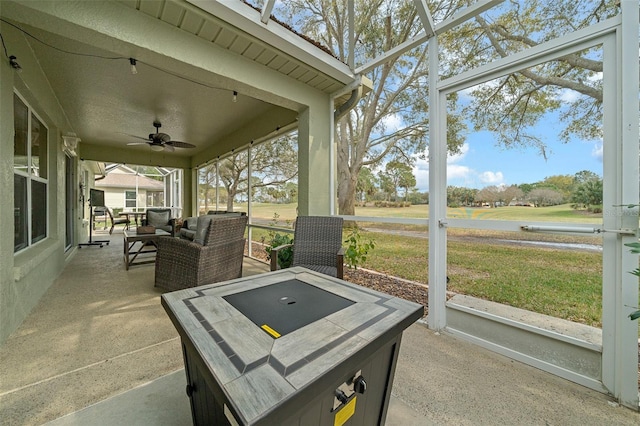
point(392, 123)
point(455, 158)
point(491, 178)
point(597, 151)
point(568, 95)
point(457, 172)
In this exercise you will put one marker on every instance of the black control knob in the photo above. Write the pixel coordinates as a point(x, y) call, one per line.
point(190, 389)
point(359, 385)
point(341, 396)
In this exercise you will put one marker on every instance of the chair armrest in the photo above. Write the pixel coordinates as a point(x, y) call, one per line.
point(340, 263)
point(274, 255)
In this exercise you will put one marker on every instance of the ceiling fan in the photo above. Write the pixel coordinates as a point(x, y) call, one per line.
point(161, 141)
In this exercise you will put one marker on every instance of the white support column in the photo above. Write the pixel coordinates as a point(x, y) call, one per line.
point(217, 183)
point(249, 191)
point(437, 195)
point(620, 292)
point(314, 165)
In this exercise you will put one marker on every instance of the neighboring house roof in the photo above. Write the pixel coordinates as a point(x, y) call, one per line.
point(124, 180)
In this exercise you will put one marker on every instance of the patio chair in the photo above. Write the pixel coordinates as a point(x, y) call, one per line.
point(215, 255)
point(116, 221)
point(160, 219)
point(317, 245)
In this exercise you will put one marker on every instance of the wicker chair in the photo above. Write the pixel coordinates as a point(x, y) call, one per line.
point(183, 264)
point(317, 245)
point(161, 219)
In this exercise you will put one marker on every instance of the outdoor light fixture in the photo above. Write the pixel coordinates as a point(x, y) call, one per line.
point(13, 61)
point(156, 147)
point(134, 70)
point(235, 96)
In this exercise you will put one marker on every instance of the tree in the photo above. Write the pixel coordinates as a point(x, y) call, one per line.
point(585, 176)
point(564, 184)
point(273, 163)
point(489, 194)
point(545, 197)
point(399, 85)
point(386, 185)
point(509, 194)
point(366, 184)
point(400, 175)
point(511, 106)
point(588, 194)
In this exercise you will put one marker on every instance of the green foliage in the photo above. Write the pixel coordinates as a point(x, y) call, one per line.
point(357, 250)
point(588, 194)
point(276, 239)
point(285, 256)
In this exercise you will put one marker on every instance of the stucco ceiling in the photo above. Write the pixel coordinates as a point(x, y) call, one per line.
point(108, 105)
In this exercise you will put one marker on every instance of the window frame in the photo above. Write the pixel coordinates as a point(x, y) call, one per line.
point(32, 178)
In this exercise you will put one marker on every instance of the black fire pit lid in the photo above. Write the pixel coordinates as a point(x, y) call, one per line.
point(286, 306)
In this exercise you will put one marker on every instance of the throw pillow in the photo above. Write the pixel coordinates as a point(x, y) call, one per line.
point(158, 219)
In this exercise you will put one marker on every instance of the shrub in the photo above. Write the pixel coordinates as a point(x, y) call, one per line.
point(285, 256)
point(356, 250)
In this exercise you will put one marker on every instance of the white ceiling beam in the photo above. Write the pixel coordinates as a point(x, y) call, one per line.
point(417, 40)
point(393, 53)
point(352, 36)
point(247, 19)
point(466, 14)
point(425, 16)
point(266, 11)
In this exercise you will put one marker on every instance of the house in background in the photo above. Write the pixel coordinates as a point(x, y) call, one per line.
point(127, 188)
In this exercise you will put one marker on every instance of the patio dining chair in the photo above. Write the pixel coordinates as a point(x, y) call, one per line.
point(317, 245)
point(116, 221)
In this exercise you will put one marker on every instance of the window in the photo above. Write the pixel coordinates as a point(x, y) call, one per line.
point(30, 159)
point(130, 199)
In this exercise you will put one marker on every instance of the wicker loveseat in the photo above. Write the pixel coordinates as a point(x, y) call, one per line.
point(217, 257)
point(190, 224)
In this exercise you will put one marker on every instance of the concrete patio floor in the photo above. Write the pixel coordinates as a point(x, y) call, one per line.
point(100, 350)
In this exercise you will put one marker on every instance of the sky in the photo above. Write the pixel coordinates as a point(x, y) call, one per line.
point(482, 162)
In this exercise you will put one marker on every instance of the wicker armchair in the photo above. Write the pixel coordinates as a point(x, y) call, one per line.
point(183, 264)
point(161, 219)
point(317, 245)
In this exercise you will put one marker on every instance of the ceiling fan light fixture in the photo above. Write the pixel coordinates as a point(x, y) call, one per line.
point(155, 147)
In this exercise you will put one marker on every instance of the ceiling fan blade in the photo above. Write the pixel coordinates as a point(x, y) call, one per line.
point(137, 143)
point(168, 147)
point(179, 144)
point(136, 136)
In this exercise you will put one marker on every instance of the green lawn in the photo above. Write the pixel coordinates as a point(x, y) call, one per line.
point(562, 283)
point(562, 213)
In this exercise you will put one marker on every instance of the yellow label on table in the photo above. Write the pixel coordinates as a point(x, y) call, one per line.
point(345, 413)
point(271, 331)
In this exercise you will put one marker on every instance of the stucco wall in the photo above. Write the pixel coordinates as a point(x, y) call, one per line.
point(26, 276)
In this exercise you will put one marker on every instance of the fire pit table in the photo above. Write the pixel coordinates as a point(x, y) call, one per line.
point(289, 347)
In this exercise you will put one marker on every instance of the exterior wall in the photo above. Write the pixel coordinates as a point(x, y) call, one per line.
point(26, 276)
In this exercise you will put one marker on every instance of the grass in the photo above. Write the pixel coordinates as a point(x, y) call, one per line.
point(561, 213)
point(561, 283)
